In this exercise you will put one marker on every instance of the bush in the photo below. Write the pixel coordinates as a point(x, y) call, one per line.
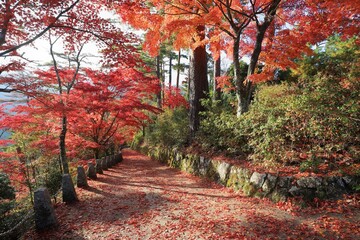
point(316, 121)
point(313, 120)
point(170, 128)
point(53, 180)
point(7, 195)
point(6, 190)
point(219, 129)
point(138, 139)
point(289, 124)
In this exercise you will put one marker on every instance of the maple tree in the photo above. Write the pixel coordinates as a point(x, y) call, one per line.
point(113, 106)
point(162, 20)
point(23, 22)
point(173, 98)
point(262, 30)
point(286, 28)
point(101, 108)
point(58, 96)
point(74, 23)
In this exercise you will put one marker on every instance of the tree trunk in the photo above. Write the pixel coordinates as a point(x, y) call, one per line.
point(198, 84)
point(217, 73)
point(178, 70)
point(96, 153)
point(252, 65)
point(240, 87)
point(260, 35)
point(158, 74)
point(170, 71)
point(62, 145)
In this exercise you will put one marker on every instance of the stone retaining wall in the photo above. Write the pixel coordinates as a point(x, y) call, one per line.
point(277, 188)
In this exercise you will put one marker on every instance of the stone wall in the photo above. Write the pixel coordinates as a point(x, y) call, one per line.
point(277, 188)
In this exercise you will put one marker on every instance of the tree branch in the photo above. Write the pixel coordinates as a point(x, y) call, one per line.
point(40, 34)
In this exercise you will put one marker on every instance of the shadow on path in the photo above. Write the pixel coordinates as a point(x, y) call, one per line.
point(143, 199)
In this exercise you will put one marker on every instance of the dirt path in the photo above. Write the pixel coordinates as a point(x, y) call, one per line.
point(141, 199)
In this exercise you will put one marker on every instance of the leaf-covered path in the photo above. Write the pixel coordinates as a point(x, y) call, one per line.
point(142, 199)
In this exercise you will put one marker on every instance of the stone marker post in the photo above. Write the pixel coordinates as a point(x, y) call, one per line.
point(108, 163)
point(116, 158)
point(91, 172)
point(104, 163)
point(44, 211)
point(98, 166)
point(113, 160)
point(81, 180)
point(68, 190)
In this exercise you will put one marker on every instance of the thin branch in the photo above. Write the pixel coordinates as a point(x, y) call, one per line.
point(55, 62)
point(78, 61)
point(40, 34)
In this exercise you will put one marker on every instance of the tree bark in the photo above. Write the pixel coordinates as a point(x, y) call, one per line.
point(96, 153)
point(178, 69)
point(62, 145)
point(240, 86)
point(198, 84)
point(260, 35)
point(217, 73)
point(170, 71)
point(158, 74)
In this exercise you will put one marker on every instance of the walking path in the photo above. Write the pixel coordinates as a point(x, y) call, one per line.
point(142, 199)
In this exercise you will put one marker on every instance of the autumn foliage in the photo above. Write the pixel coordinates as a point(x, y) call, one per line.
point(79, 111)
point(173, 98)
point(91, 111)
point(102, 109)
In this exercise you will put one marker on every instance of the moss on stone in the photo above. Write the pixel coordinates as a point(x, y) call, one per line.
point(238, 177)
point(233, 182)
point(188, 163)
point(249, 189)
point(212, 171)
point(278, 195)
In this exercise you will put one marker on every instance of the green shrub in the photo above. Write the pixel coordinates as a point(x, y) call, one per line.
point(7, 195)
point(6, 190)
point(219, 129)
point(137, 140)
point(318, 120)
point(170, 128)
point(53, 180)
point(317, 117)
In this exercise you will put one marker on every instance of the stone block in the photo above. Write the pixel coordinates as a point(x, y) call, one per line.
point(112, 160)
point(203, 167)
point(91, 171)
point(81, 180)
point(68, 190)
point(295, 191)
point(120, 157)
point(104, 164)
point(279, 195)
point(285, 182)
point(309, 182)
point(257, 179)
point(223, 170)
point(269, 183)
point(334, 187)
point(234, 181)
point(44, 212)
point(212, 170)
point(98, 166)
point(108, 162)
